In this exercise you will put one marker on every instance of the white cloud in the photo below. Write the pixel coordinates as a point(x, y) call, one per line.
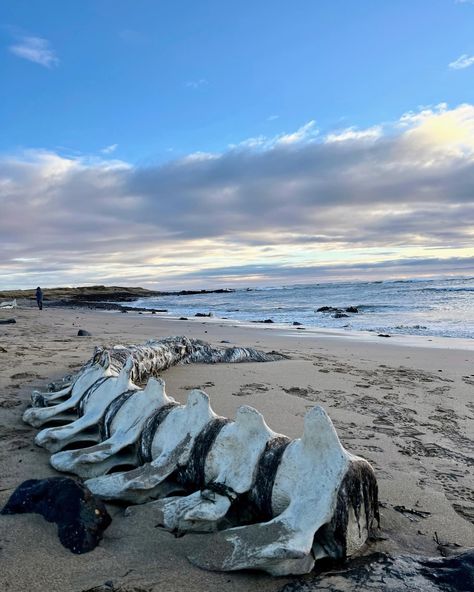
point(195, 84)
point(37, 50)
point(109, 149)
point(462, 62)
point(273, 117)
point(92, 219)
point(352, 133)
point(305, 132)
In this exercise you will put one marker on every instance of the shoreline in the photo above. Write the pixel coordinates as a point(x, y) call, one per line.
point(287, 330)
point(366, 320)
point(406, 409)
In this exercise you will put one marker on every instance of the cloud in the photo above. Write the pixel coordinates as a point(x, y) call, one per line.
point(37, 50)
point(462, 62)
point(195, 84)
point(351, 133)
point(306, 133)
point(109, 149)
point(367, 203)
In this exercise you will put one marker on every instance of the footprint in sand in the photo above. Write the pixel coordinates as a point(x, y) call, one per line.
point(251, 389)
point(9, 403)
point(23, 375)
point(208, 384)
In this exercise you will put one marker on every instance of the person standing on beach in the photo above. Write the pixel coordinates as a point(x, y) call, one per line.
point(39, 298)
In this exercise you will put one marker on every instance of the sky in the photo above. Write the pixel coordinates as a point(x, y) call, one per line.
point(230, 144)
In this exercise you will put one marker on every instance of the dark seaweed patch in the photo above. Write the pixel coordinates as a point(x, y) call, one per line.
point(261, 494)
point(111, 411)
point(193, 474)
point(85, 397)
point(149, 430)
point(358, 487)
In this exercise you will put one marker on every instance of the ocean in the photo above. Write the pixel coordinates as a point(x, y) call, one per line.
point(414, 307)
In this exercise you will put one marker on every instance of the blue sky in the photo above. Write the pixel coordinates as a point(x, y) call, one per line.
point(145, 86)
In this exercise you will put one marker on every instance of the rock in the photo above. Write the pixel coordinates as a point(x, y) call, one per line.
point(383, 335)
point(352, 309)
point(183, 319)
point(340, 315)
point(7, 321)
point(80, 516)
point(203, 314)
point(296, 324)
point(383, 573)
point(326, 309)
point(83, 333)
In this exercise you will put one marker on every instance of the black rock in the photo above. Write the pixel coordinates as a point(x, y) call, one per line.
point(296, 324)
point(80, 516)
point(326, 309)
point(383, 335)
point(203, 314)
point(340, 315)
point(183, 319)
point(352, 309)
point(7, 321)
point(83, 333)
point(383, 573)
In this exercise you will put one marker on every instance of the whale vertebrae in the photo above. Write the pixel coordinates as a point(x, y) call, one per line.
point(266, 501)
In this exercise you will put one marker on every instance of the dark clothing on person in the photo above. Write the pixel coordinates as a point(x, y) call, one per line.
point(39, 298)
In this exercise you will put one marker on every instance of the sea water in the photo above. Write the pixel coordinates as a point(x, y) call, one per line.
point(443, 307)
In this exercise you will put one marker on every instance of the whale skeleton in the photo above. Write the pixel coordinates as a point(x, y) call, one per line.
point(148, 360)
point(119, 437)
point(263, 501)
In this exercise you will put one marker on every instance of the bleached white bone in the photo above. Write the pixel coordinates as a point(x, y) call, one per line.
point(86, 428)
point(155, 356)
point(170, 448)
point(229, 471)
point(309, 489)
point(125, 429)
point(8, 304)
point(66, 410)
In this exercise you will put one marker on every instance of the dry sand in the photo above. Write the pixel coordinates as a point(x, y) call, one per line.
point(408, 409)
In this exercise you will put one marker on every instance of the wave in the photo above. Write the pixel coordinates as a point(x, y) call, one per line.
point(447, 289)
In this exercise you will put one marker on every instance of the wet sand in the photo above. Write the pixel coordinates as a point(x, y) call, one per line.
point(405, 405)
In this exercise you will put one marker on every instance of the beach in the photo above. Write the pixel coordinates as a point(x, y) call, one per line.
point(405, 404)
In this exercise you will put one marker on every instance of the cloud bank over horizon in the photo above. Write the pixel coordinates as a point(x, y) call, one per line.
point(392, 200)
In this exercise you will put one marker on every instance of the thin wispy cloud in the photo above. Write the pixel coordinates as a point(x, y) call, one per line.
point(195, 84)
point(306, 133)
point(109, 149)
point(464, 61)
point(352, 133)
point(35, 49)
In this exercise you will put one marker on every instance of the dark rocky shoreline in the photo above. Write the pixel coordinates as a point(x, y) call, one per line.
point(102, 297)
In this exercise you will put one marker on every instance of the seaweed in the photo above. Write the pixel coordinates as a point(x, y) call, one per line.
point(358, 486)
point(268, 463)
point(193, 473)
point(110, 412)
point(149, 430)
point(88, 392)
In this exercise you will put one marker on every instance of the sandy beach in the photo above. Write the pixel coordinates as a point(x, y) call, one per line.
point(406, 405)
